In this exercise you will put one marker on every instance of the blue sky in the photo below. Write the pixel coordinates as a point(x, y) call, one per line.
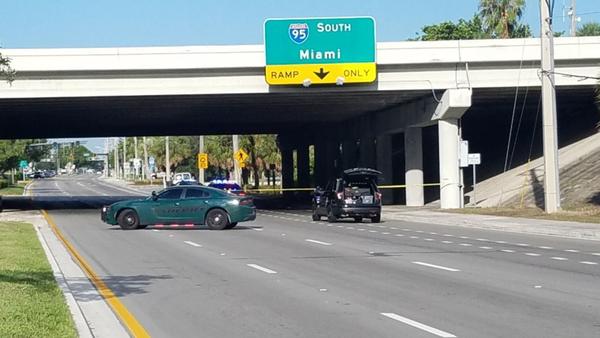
point(117, 23)
point(108, 23)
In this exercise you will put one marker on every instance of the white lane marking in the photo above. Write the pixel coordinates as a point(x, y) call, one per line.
point(501, 242)
point(482, 239)
point(419, 231)
point(317, 242)
point(522, 244)
point(559, 258)
point(486, 247)
point(361, 229)
point(405, 229)
point(448, 235)
point(393, 228)
point(340, 226)
point(588, 263)
point(464, 237)
point(400, 235)
point(571, 250)
point(433, 233)
point(350, 228)
point(436, 266)
point(532, 254)
point(329, 225)
point(447, 242)
point(546, 247)
point(257, 229)
point(385, 233)
point(193, 244)
point(418, 325)
point(263, 269)
point(155, 230)
point(414, 237)
point(465, 244)
point(429, 239)
point(509, 251)
point(372, 230)
point(596, 253)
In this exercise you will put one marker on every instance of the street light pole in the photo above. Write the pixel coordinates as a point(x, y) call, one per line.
point(551, 175)
point(124, 156)
point(146, 169)
point(167, 159)
point(572, 14)
point(236, 166)
point(200, 150)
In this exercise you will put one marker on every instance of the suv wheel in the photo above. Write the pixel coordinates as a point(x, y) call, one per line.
point(357, 219)
point(376, 219)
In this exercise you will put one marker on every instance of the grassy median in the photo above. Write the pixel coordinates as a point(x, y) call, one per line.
point(31, 303)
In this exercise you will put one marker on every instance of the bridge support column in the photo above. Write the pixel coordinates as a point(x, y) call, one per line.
point(367, 151)
point(449, 167)
point(287, 167)
point(385, 165)
point(303, 166)
point(349, 154)
point(321, 164)
point(413, 159)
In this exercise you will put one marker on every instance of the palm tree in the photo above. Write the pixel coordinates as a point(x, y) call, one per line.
point(6, 72)
point(501, 17)
point(589, 29)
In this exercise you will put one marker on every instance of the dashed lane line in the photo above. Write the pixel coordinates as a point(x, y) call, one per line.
point(418, 325)
point(192, 244)
point(318, 242)
point(436, 266)
point(261, 268)
point(588, 263)
point(559, 258)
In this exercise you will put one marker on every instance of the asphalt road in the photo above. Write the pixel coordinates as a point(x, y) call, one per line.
point(286, 276)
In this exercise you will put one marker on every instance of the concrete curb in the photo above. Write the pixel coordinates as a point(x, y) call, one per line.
point(81, 324)
point(90, 312)
point(588, 231)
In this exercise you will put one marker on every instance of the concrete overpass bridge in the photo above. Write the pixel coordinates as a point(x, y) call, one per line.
point(221, 90)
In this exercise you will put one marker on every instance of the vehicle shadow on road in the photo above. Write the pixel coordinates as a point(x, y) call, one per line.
point(119, 285)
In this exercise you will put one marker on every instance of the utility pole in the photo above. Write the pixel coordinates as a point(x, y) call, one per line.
point(551, 176)
point(106, 169)
point(236, 166)
point(573, 15)
point(200, 150)
point(145, 164)
point(116, 145)
point(167, 159)
point(124, 157)
point(135, 155)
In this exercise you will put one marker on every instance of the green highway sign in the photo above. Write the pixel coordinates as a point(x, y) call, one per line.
point(23, 164)
point(322, 50)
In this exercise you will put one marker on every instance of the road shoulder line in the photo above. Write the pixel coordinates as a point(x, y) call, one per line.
point(122, 313)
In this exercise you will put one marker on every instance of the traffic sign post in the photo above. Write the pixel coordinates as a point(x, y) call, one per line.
point(320, 51)
point(202, 161)
point(474, 159)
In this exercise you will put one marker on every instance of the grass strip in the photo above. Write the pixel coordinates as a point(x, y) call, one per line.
point(31, 303)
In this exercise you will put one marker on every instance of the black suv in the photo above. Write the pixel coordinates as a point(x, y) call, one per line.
point(354, 195)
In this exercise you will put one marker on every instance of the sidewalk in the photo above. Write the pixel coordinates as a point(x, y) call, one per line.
point(91, 315)
point(500, 223)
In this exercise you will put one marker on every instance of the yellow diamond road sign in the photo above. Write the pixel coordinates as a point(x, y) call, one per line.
point(241, 155)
